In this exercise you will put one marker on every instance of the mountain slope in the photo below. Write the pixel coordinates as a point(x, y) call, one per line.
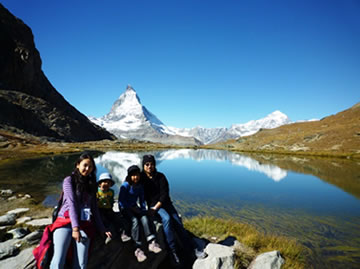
point(337, 134)
point(129, 119)
point(29, 104)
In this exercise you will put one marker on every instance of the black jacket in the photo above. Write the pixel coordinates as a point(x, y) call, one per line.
point(156, 189)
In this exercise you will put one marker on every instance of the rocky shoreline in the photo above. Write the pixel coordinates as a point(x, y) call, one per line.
point(22, 223)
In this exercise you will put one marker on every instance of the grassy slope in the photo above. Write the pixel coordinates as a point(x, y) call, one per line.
point(336, 135)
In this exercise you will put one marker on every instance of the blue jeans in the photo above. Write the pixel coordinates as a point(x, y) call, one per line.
point(135, 228)
point(171, 224)
point(62, 238)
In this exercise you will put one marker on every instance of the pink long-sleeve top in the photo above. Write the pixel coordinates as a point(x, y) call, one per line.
point(73, 203)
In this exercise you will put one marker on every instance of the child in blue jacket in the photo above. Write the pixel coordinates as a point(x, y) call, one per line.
point(132, 192)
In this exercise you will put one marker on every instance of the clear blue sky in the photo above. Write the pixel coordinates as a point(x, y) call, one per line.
point(207, 63)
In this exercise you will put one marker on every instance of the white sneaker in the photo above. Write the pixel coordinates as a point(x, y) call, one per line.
point(140, 255)
point(125, 237)
point(154, 247)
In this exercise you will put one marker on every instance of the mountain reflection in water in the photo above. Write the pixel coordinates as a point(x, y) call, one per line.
point(118, 162)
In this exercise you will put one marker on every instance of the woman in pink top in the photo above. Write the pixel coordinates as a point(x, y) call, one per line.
point(79, 215)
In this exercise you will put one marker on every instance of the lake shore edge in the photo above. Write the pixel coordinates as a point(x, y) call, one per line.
point(15, 148)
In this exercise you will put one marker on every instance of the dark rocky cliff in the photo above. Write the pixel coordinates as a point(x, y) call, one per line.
point(28, 102)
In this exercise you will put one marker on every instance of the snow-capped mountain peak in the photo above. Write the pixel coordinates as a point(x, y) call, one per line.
point(128, 104)
point(128, 118)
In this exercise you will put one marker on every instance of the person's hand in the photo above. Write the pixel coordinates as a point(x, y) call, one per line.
point(108, 234)
point(76, 234)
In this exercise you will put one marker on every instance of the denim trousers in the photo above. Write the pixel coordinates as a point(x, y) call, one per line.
point(135, 228)
point(62, 238)
point(171, 224)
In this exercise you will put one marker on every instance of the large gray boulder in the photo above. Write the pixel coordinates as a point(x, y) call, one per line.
point(267, 260)
point(219, 257)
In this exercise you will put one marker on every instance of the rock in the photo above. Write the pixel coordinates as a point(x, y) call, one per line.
point(22, 260)
point(8, 219)
point(34, 237)
point(9, 248)
point(267, 260)
point(18, 232)
point(238, 246)
point(18, 211)
point(23, 220)
point(6, 192)
point(39, 222)
point(219, 257)
point(117, 254)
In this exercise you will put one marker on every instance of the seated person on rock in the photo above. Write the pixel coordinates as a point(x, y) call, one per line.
point(105, 201)
point(78, 217)
point(131, 191)
point(156, 189)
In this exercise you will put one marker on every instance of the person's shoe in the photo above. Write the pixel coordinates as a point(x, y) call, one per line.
point(140, 255)
point(154, 247)
point(200, 254)
point(107, 240)
point(125, 237)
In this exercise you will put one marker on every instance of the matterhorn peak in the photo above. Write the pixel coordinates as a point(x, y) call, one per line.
point(127, 100)
point(129, 88)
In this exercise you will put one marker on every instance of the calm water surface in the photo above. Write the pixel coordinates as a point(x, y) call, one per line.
point(316, 201)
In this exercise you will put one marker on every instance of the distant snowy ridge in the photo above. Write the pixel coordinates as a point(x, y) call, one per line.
point(129, 119)
point(212, 135)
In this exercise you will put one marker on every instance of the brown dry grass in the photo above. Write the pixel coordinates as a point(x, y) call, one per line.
point(336, 135)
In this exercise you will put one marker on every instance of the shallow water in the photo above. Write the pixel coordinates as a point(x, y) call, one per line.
point(316, 201)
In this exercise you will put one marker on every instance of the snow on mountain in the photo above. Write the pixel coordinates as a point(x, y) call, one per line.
point(128, 118)
point(128, 113)
point(213, 135)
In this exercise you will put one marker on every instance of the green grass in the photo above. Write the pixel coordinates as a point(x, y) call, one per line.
point(216, 229)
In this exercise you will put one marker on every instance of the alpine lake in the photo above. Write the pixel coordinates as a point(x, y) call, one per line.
point(314, 200)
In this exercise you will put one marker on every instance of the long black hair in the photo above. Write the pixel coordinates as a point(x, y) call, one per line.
point(81, 183)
